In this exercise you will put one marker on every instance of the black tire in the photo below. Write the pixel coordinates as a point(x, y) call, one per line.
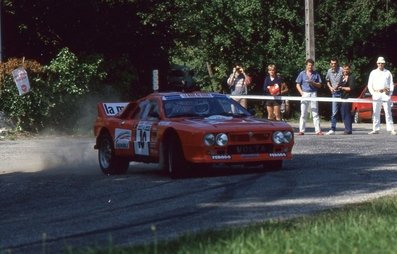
point(273, 165)
point(109, 163)
point(177, 165)
point(163, 156)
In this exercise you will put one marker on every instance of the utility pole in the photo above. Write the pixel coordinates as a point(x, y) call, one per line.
point(309, 30)
point(1, 34)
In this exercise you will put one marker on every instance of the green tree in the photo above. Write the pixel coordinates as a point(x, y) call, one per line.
point(211, 36)
point(356, 32)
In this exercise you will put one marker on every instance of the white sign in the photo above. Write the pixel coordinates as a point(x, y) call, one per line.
point(155, 76)
point(112, 109)
point(21, 80)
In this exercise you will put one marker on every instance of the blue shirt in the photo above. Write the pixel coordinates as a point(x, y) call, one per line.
point(303, 78)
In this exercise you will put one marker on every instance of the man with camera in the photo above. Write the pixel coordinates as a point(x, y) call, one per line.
point(334, 79)
point(237, 82)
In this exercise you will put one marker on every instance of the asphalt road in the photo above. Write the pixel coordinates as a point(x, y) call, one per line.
point(53, 195)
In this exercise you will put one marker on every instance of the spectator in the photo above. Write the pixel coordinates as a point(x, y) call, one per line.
point(348, 89)
point(334, 79)
point(238, 82)
point(307, 84)
point(380, 85)
point(274, 85)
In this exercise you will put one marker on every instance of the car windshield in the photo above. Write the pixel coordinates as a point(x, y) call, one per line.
point(203, 107)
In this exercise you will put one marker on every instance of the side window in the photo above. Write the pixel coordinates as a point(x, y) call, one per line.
point(150, 110)
point(154, 111)
point(142, 109)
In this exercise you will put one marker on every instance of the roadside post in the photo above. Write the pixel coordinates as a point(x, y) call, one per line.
point(155, 80)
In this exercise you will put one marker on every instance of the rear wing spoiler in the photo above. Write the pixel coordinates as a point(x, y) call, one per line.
point(106, 109)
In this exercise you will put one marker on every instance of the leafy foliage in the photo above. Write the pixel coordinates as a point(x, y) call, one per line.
point(56, 91)
point(256, 33)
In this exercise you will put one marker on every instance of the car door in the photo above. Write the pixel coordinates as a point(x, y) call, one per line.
point(145, 130)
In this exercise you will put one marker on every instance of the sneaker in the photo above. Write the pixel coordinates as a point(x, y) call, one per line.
point(319, 133)
point(373, 132)
point(393, 133)
point(347, 133)
point(330, 132)
point(301, 133)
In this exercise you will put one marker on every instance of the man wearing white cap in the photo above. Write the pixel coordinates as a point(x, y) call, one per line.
point(380, 85)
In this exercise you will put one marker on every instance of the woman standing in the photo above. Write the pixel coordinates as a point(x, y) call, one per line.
point(274, 85)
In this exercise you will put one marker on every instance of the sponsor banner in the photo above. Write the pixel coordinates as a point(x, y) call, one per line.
point(21, 80)
point(112, 109)
point(299, 98)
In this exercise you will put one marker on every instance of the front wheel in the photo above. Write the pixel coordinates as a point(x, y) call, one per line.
point(176, 161)
point(109, 163)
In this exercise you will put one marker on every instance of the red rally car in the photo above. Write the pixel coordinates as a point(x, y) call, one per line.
point(181, 130)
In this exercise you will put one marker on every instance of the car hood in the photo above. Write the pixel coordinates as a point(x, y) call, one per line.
point(233, 123)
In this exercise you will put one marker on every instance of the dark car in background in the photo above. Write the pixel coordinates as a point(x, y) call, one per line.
point(363, 111)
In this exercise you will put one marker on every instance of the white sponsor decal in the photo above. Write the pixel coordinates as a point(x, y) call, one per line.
point(142, 138)
point(221, 157)
point(277, 154)
point(112, 109)
point(122, 138)
point(196, 95)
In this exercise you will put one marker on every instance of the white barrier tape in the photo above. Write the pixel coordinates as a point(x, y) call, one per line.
point(299, 98)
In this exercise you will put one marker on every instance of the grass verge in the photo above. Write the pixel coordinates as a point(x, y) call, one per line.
point(365, 228)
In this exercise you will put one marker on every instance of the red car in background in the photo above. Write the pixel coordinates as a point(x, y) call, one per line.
point(363, 111)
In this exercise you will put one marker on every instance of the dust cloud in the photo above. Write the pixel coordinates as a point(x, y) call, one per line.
point(57, 153)
point(49, 155)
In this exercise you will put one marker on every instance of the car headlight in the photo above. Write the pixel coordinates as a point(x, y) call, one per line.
point(278, 137)
point(209, 139)
point(287, 136)
point(221, 139)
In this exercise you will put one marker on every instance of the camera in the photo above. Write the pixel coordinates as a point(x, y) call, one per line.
point(339, 86)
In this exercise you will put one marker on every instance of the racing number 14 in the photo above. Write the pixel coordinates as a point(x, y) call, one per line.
point(142, 139)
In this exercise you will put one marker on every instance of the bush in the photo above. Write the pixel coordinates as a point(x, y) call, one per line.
point(57, 90)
